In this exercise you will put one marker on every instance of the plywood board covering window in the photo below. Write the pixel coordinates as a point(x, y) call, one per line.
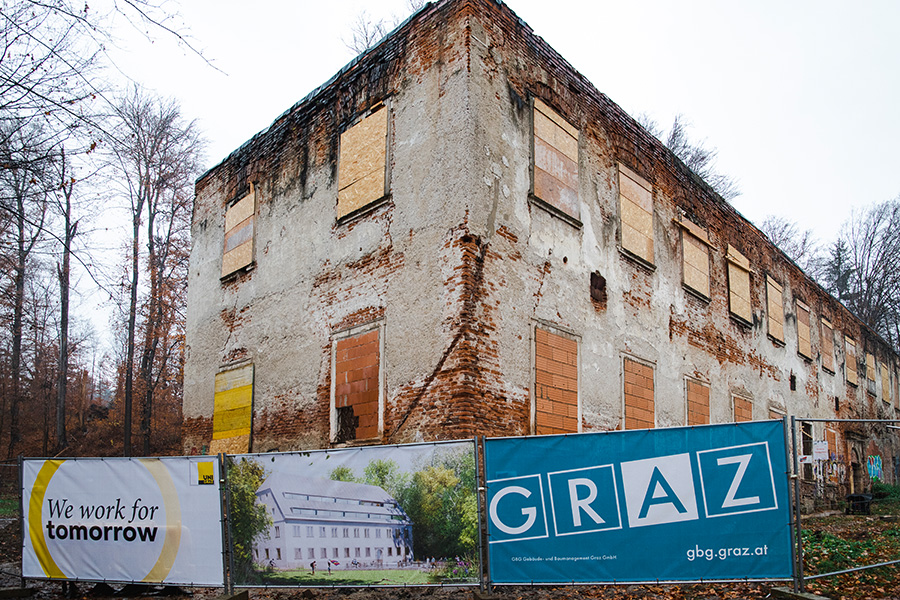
point(239, 225)
point(555, 160)
point(739, 285)
point(775, 309)
point(357, 387)
point(697, 402)
point(639, 395)
point(233, 411)
point(885, 384)
point(361, 166)
point(636, 213)
point(804, 342)
point(850, 347)
point(556, 383)
point(743, 409)
point(827, 346)
point(695, 258)
point(870, 373)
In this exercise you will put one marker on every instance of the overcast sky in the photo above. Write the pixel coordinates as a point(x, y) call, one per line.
point(801, 98)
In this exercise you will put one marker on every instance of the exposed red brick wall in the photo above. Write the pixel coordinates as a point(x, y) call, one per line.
point(697, 403)
point(556, 383)
point(639, 399)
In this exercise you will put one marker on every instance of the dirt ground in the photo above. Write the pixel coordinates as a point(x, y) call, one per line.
point(881, 587)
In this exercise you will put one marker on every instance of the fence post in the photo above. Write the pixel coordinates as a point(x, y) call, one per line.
point(481, 497)
point(225, 508)
point(798, 563)
point(22, 517)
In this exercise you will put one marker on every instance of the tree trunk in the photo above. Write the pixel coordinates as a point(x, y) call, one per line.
point(132, 318)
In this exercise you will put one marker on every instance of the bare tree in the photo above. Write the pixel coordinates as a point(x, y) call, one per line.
point(697, 156)
point(366, 31)
point(799, 244)
point(863, 268)
point(157, 157)
point(23, 199)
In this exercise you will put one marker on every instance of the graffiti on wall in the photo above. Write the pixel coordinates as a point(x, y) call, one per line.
point(873, 463)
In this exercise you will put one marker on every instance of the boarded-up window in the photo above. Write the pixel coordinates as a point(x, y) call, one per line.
point(739, 285)
point(870, 374)
point(885, 383)
point(556, 383)
point(357, 387)
point(636, 210)
point(827, 346)
point(775, 309)
point(361, 167)
point(850, 346)
point(743, 409)
point(695, 258)
point(639, 404)
point(806, 448)
point(804, 343)
point(555, 160)
point(239, 225)
point(697, 403)
point(233, 411)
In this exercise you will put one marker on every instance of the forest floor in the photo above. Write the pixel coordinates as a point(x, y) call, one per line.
point(831, 543)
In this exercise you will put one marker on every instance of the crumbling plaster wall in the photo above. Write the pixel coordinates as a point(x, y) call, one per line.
point(460, 266)
point(412, 263)
point(649, 314)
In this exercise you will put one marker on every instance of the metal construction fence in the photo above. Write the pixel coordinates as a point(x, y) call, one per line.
point(686, 504)
point(800, 578)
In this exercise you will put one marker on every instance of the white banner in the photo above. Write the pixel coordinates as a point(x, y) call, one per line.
point(153, 520)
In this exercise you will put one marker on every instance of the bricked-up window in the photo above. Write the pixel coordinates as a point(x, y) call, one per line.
point(850, 352)
point(239, 225)
point(697, 402)
point(232, 411)
point(556, 383)
point(775, 309)
point(774, 415)
point(827, 346)
point(870, 374)
point(804, 341)
point(743, 409)
point(831, 439)
point(362, 164)
point(739, 285)
point(636, 213)
point(695, 258)
point(638, 391)
point(356, 386)
point(555, 160)
point(885, 384)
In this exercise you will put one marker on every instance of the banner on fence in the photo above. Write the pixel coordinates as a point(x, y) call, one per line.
point(687, 503)
point(375, 515)
point(153, 520)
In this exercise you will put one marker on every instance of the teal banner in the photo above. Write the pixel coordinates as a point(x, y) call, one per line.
point(686, 503)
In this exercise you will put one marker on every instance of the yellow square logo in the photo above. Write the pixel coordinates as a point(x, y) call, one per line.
point(205, 473)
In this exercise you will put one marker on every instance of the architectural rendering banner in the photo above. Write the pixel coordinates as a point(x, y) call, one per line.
point(153, 520)
point(687, 503)
point(367, 516)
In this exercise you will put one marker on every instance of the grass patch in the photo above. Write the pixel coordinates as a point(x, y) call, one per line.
point(9, 507)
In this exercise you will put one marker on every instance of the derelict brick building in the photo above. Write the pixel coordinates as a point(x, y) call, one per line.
point(459, 235)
